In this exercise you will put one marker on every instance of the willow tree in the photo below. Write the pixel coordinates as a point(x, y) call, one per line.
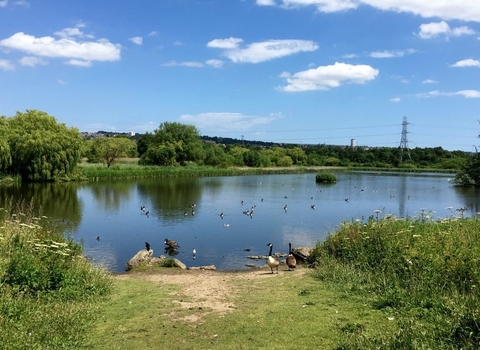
point(41, 149)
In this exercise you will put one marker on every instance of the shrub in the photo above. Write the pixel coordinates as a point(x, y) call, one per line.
point(326, 177)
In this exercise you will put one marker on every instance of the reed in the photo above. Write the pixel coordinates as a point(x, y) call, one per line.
point(417, 271)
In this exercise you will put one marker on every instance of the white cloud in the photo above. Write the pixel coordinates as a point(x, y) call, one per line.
point(436, 29)
point(22, 3)
point(395, 99)
point(429, 81)
point(467, 63)
point(230, 43)
point(466, 10)
point(349, 55)
point(3, 3)
point(464, 93)
point(266, 2)
point(32, 61)
point(391, 54)
point(215, 63)
point(62, 82)
point(184, 64)
point(47, 46)
point(327, 77)
point(72, 32)
point(137, 40)
point(177, 43)
point(221, 122)
point(79, 63)
point(261, 51)
point(153, 33)
point(6, 65)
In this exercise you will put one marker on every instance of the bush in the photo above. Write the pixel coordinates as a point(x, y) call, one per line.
point(326, 178)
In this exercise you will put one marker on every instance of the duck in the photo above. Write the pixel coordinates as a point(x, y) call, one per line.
point(170, 243)
point(272, 262)
point(291, 261)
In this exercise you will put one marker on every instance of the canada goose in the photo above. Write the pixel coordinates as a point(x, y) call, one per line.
point(147, 213)
point(170, 243)
point(291, 261)
point(147, 246)
point(271, 261)
point(222, 215)
point(97, 238)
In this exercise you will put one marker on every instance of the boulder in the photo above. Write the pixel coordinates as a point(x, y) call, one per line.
point(143, 257)
point(302, 253)
point(180, 264)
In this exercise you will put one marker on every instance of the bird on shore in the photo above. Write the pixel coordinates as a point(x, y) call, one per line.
point(147, 246)
point(170, 243)
point(291, 261)
point(272, 262)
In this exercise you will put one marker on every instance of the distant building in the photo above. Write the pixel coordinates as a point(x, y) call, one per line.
point(131, 133)
point(353, 143)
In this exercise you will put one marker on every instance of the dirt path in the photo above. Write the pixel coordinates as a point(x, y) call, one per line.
point(204, 289)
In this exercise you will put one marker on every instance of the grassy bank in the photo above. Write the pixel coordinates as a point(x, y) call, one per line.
point(49, 293)
point(424, 275)
point(129, 169)
point(98, 172)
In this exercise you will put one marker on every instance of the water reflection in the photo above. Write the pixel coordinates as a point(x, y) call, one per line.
point(59, 202)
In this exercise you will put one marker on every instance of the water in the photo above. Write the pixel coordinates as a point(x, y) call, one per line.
point(111, 211)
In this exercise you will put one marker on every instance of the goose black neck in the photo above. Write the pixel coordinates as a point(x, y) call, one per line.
point(289, 248)
point(270, 253)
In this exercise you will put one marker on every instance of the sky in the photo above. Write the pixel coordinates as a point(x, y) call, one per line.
point(292, 71)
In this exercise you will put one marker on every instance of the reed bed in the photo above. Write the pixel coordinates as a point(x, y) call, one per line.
point(424, 275)
point(98, 172)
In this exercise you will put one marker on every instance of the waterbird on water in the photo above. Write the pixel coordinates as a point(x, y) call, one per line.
point(170, 243)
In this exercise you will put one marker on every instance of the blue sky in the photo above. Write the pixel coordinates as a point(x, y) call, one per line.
point(295, 71)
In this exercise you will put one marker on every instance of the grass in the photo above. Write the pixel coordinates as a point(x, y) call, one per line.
point(48, 292)
point(273, 311)
point(124, 170)
point(425, 274)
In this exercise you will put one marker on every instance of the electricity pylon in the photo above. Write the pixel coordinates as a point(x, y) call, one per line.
point(404, 141)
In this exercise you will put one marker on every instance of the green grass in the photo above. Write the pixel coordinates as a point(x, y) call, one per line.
point(48, 292)
point(130, 170)
point(283, 311)
point(425, 274)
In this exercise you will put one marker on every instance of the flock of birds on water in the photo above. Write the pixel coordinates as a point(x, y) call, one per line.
point(273, 262)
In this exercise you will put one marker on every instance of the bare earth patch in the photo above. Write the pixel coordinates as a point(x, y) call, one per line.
point(203, 291)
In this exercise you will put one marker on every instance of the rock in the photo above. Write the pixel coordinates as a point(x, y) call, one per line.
point(208, 267)
point(180, 264)
point(142, 258)
point(302, 253)
point(158, 261)
point(265, 257)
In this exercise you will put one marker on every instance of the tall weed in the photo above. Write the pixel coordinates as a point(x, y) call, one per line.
point(426, 272)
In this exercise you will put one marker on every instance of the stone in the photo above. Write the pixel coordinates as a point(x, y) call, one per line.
point(208, 267)
point(302, 253)
point(180, 264)
point(143, 257)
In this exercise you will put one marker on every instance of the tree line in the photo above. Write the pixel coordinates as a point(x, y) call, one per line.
point(34, 146)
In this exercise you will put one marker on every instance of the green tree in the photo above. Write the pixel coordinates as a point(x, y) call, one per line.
point(108, 149)
point(184, 139)
point(41, 149)
point(5, 154)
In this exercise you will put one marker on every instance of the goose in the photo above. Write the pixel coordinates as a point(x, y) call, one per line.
point(271, 261)
point(147, 246)
point(170, 243)
point(291, 261)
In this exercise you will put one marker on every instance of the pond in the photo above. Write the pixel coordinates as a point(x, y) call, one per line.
point(107, 216)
